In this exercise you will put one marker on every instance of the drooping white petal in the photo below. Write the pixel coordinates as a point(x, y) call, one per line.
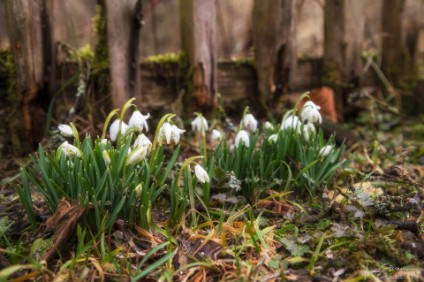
point(325, 150)
point(165, 133)
point(273, 138)
point(268, 125)
point(70, 150)
point(176, 132)
point(291, 122)
point(66, 130)
point(216, 135)
point(139, 120)
point(141, 141)
point(137, 155)
point(308, 130)
point(199, 124)
point(243, 138)
point(250, 123)
point(310, 112)
point(201, 174)
point(114, 127)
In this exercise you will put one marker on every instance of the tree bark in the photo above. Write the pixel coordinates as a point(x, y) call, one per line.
point(419, 65)
point(343, 38)
point(198, 37)
point(124, 20)
point(394, 48)
point(274, 27)
point(31, 41)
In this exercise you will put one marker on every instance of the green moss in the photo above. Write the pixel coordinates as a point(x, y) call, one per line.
point(168, 58)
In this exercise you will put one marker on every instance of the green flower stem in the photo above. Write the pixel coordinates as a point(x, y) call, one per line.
point(106, 125)
point(76, 135)
point(126, 106)
point(165, 118)
point(300, 99)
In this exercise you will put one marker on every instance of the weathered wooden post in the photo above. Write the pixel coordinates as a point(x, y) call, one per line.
point(124, 20)
point(274, 26)
point(198, 36)
point(419, 64)
point(29, 26)
point(343, 38)
point(393, 48)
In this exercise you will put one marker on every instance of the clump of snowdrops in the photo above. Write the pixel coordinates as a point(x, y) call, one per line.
point(122, 177)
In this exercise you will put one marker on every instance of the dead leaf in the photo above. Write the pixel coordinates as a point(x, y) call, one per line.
point(63, 222)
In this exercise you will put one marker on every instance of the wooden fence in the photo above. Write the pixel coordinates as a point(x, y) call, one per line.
point(275, 69)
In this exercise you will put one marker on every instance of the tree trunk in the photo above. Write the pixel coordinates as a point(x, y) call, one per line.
point(29, 29)
point(394, 49)
point(343, 38)
point(274, 27)
point(419, 65)
point(198, 39)
point(124, 20)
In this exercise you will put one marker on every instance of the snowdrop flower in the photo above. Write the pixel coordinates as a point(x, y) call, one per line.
point(250, 123)
point(106, 157)
point(308, 130)
point(325, 150)
point(199, 124)
point(168, 132)
point(70, 150)
point(142, 141)
point(103, 141)
point(273, 138)
point(291, 122)
point(66, 130)
point(137, 155)
point(216, 135)
point(310, 112)
point(138, 189)
point(201, 173)
point(243, 137)
point(139, 120)
point(114, 127)
point(268, 125)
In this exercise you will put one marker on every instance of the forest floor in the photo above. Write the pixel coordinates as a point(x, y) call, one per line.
point(369, 226)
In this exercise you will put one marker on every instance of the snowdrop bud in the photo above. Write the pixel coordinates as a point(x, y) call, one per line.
point(106, 157)
point(66, 130)
point(250, 123)
point(268, 125)
point(310, 112)
point(103, 141)
point(273, 138)
point(142, 141)
point(243, 137)
point(165, 132)
point(216, 135)
point(70, 150)
point(325, 150)
point(138, 189)
point(199, 124)
point(139, 120)
point(201, 173)
point(291, 122)
point(308, 130)
point(136, 156)
point(114, 127)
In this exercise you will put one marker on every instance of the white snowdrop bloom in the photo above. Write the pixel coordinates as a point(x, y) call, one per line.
point(139, 120)
point(199, 124)
point(114, 127)
point(273, 138)
point(310, 112)
point(136, 155)
point(268, 125)
point(308, 130)
point(142, 140)
point(250, 123)
point(242, 137)
point(216, 135)
point(325, 150)
point(104, 141)
point(170, 133)
point(201, 174)
point(66, 130)
point(106, 157)
point(291, 122)
point(70, 150)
